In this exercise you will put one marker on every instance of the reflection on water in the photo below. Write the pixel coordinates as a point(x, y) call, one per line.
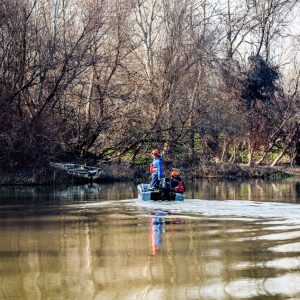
point(66, 194)
point(214, 188)
point(260, 190)
point(98, 242)
point(156, 231)
point(157, 228)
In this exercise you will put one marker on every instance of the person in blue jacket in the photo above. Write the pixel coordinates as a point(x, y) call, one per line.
point(156, 169)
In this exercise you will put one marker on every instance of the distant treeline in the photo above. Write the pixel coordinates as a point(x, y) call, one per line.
point(106, 80)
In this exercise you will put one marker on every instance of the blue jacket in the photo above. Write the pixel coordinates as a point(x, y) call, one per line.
point(157, 164)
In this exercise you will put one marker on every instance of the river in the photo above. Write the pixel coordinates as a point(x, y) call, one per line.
point(228, 240)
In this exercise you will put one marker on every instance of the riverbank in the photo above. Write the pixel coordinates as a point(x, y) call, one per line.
point(244, 171)
point(47, 175)
point(121, 172)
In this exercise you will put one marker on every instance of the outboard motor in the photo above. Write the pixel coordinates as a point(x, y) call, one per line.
point(165, 188)
point(164, 184)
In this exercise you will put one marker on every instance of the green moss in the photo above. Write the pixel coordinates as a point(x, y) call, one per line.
point(243, 156)
point(197, 143)
point(141, 160)
point(126, 157)
point(110, 152)
point(282, 175)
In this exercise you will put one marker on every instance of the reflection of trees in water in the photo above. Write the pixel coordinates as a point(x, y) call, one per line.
point(91, 253)
point(297, 192)
point(109, 255)
point(213, 188)
point(255, 189)
point(67, 193)
point(48, 256)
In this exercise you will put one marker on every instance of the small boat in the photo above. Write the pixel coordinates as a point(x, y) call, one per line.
point(146, 195)
point(80, 171)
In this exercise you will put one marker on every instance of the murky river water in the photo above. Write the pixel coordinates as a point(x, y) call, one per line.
point(228, 240)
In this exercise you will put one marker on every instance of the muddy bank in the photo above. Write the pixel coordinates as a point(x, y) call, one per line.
point(120, 172)
point(242, 171)
point(48, 175)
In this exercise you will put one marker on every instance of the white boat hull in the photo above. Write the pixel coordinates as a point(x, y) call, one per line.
point(146, 195)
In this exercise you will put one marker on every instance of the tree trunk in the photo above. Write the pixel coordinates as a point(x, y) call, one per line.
point(89, 97)
point(280, 155)
point(167, 144)
point(284, 149)
point(135, 153)
point(266, 151)
point(278, 158)
point(224, 150)
point(250, 154)
point(233, 156)
point(260, 161)
point(192, 146)
point(297, 156)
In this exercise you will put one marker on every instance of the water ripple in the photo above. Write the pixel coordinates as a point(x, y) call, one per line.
point(292, 247)
point(225, 208)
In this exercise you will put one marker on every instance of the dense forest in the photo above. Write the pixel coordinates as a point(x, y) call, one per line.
point(106, 80)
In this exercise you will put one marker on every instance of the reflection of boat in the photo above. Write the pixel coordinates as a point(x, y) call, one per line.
point(80, 171)
point(145, 194)
point(157, 228)
point(156, 231)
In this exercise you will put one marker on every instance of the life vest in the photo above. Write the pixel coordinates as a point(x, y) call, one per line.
point(156, 167)
point(180, 187)
point(152, 169)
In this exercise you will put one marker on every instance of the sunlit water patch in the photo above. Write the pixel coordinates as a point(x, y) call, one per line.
point(239, 208)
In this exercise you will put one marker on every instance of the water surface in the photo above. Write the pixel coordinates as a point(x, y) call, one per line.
point(228, 240)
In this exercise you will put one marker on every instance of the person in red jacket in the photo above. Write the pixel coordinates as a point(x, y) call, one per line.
point(177, 183)
point(156, 169)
